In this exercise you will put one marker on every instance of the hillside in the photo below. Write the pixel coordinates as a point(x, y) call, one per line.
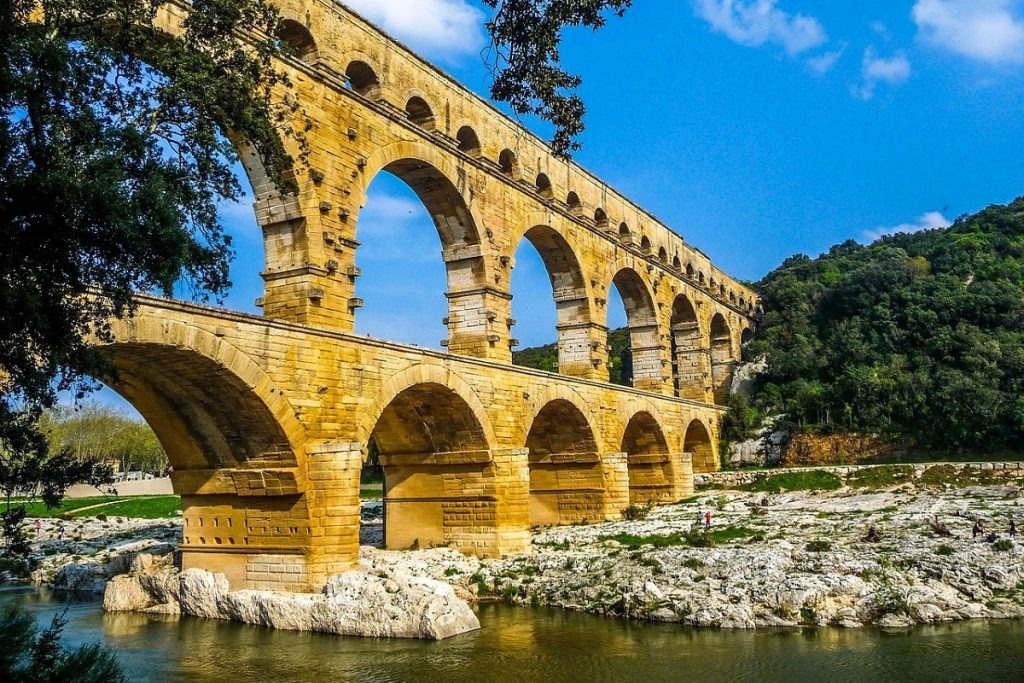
point(916, 335)
point(546, 357)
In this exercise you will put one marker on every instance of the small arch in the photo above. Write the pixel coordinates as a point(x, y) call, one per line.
point(690, 272)
point(697, 443)
point(743, 302)
point(714, 284)
point(700, 278)
point(721, 290)
point(644, 359)
point(297, 41)
point(572, 200)
point(645, 244)
point(746, 335)
point(676, 263)
point(566, 483)
point(625, 234)
point(544, 186)
point(600, 218)
point(361, 78)
point(509, 163)
point(662, 255)
point(469, 142)
point(732, 297)
point(420, 113)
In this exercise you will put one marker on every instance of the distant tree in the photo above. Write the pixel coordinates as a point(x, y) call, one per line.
point(92, 431)
point(528, 71)
point(28, 656)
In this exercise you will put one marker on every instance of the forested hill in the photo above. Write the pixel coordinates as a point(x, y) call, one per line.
point(546, 357)
point(918, 335)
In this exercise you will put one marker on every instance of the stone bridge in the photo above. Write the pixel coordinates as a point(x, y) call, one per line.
point(268, 419)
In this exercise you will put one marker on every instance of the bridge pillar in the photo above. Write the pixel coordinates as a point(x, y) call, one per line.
point(681, 476)
point(660, 477)
point(721, 378)
point(334, 508)
point(473, 501)
point(582, 350)
point(478, 323)
point(647, 349)
point(615, 473)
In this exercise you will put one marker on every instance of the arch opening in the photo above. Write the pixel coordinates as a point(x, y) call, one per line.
point(544, 247)
point(566, 482)
point(572, 200)
point(649, 464)
point(644, 369)
point(625, 234)
point(469, 142)
point(544, 186)
point(697, 443)
point(298, 41)
point(601, 218)
point(723, 361)
point(436, 460)
point(419, 112)
point(690, 356)
point(361, 78)
point(401, 202)
point(509, 163)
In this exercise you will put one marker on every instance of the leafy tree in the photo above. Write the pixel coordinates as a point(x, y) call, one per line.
point(917, 335)
point(529, 75)
point(113, 157)
point(103, 434)
point(28, 656)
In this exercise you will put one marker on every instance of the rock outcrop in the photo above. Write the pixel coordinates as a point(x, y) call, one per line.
point(380, 605)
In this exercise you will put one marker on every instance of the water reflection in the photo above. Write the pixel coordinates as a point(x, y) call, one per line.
point(540, 645)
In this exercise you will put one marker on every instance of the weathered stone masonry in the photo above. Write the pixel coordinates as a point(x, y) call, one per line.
point(267, 419)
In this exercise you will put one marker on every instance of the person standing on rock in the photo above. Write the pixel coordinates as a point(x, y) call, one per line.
point(707, 521)
point(1013, 528)
point(978, 529)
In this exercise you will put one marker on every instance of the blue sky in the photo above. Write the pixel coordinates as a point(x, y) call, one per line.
point(755, 128)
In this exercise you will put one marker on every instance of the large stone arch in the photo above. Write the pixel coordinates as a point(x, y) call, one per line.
point(567, 478)
point(236, 448)
point(644, 331)
point(570, 289)
point(442, 486)
point(651, 467)
point(691, 355)
point(432, 176)
point(723, 357)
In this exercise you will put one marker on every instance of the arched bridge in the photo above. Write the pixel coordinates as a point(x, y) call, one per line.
point(267, 419)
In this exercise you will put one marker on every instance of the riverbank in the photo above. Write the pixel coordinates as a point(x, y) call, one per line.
point(871, 552)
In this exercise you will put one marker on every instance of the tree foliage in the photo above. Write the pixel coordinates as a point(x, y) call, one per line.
point(529, 74)
point(113, 157)
point(100, 433)
point(918, 335)
point(621, 357)
point(28, 656)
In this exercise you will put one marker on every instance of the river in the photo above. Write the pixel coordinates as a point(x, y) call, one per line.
point(518, 644)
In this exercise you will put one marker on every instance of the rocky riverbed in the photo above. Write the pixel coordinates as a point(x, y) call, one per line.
point(891, 557)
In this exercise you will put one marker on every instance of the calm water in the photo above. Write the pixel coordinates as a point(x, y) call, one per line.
point(539, 645)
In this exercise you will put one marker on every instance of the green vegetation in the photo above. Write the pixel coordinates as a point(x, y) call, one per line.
point(1003, 545)
point(950, 475)
point(810, 480)
point(818, 546)
point(917, 335)
point(880, 477)
point(91, 431)
point(634, 512)
point(695, 538)
point(945, 550)
point(28, 656)
point(546, 357)
point(139, 507)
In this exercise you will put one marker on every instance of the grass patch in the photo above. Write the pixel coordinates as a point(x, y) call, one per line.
point(696, 538)
point(880, 477)
point(812, 480)
point(371, 494)
point(139, 507)
point(941, 475)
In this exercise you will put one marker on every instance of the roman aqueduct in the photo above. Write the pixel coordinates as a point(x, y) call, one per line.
point(267, 419)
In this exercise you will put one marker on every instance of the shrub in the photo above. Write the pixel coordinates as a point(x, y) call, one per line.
point(634, 512)
point(818, 546)
point(944, 549)
point(1003, 545)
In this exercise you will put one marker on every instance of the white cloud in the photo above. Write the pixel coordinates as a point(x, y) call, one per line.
point(823, 63)
point(754, 23)
point(987, 30)
point(874, 70)
point(446, 29)
point(928, 221)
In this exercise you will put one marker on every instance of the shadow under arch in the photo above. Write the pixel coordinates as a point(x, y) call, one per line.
point(698, 443)
point(571, 298)
point(650, 466)
point(236, 448)
point(441, 486)
point(567, 483)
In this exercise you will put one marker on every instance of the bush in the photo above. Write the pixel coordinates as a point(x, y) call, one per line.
point(818, 546)
point(945, 549)
point(635, 513)
point(1003, 545)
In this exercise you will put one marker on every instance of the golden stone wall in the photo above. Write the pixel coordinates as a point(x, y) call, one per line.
point(267, 420)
